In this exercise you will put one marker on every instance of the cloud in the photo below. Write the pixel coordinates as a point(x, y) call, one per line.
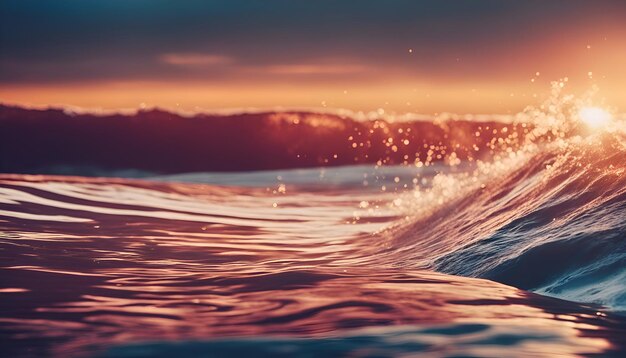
point(316, 69)
point(194, 59)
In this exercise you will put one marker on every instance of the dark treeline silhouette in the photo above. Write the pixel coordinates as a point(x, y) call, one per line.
point(41, 141)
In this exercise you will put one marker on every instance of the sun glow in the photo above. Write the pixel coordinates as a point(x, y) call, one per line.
point(595, 117)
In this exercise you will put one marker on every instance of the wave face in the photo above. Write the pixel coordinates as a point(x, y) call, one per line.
point(518, 249)
point(553, 222)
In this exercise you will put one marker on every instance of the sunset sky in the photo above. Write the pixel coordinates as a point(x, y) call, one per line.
point(402, 56)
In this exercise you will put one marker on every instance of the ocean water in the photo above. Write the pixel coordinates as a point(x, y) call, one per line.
point(520, 253)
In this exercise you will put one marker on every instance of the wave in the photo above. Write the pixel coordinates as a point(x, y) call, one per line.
point(552, 222)
point(314, 256)
point(286, 258)
point(57, 141)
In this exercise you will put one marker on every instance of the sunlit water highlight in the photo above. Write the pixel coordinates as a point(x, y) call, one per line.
point(90, 264)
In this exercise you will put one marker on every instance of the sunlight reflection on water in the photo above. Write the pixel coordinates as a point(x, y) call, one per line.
point(92, 265)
